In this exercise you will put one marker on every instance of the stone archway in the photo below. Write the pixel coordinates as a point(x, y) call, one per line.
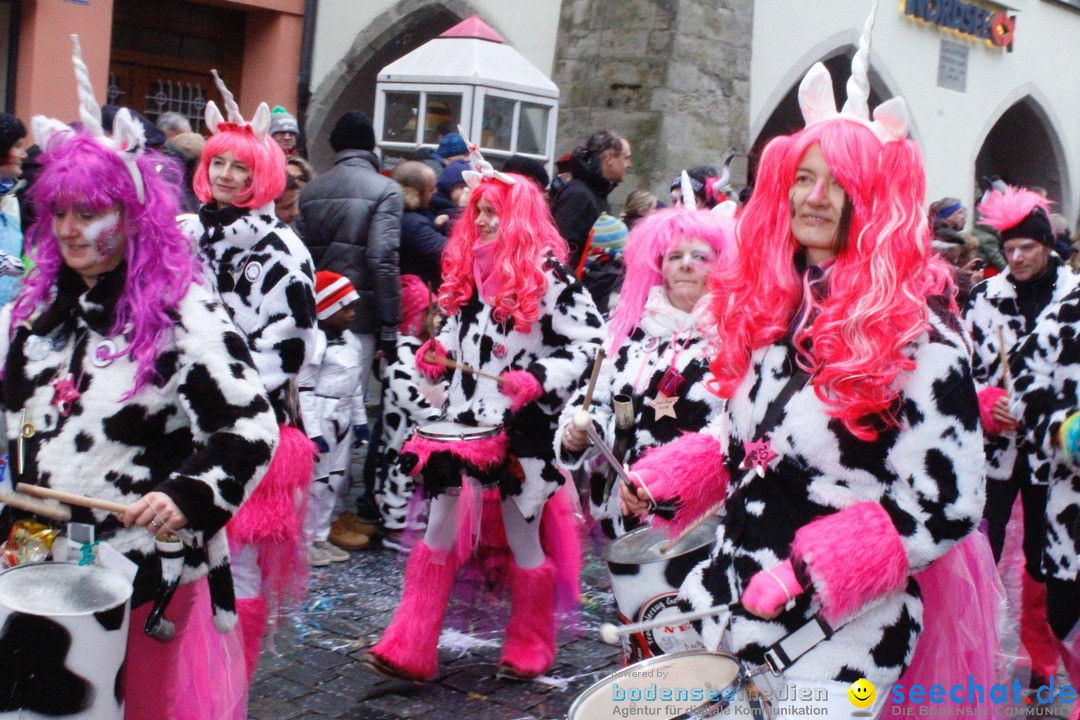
point(351, 84)
point(1023, 148)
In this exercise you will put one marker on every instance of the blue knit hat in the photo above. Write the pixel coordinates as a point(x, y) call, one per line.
point(451, 176)
point(452, 144)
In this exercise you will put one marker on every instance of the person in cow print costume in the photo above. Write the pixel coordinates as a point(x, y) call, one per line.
point(657, 342)
point(854, 455)
point(516, 313)
point(1002, 314)
point(124, 379)
point(265, 278)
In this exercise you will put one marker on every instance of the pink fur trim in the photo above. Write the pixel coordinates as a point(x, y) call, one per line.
point(253, 615)
point(852, 557)
point(529, 649)
point(1035, 633)
point(689, 471)
point(560, 536)
point(432, 371)
point(987, 397)
point(484, 453)
point(410, 643)
point(272, 519)
point(521, 386)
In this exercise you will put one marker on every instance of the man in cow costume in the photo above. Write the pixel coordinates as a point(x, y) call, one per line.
point(1002, 314)
point(854, 455)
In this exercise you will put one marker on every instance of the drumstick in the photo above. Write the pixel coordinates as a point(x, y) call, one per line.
point(610, 632)
point(448, 363)
point(691, 527)
point(71, 498)
point(36, 506)
point(583, 421)
point(592, 380)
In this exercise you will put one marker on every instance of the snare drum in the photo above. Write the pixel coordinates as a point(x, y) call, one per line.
point(645, 581)
point(63, 632)
point(446, 431)
point(442, 451)
point(670, 686)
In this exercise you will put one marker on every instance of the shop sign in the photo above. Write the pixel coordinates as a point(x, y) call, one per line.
point(968, 19)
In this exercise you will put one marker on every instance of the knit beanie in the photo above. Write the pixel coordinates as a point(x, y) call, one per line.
point(609, 234)
point(451, 176)
point(353, 131)
point(282, 121)
point(332, 292)
point(416, 298)
point(11, 131)
point(452, 144)
point(1017, 213)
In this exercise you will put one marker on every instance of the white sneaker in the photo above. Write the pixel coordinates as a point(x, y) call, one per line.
point(333, 552)
point(316, 556)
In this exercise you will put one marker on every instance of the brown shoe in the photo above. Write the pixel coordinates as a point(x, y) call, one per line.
point(345, 539)
point(353, 524)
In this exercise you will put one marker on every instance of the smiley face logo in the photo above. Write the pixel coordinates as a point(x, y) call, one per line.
point(862, 693)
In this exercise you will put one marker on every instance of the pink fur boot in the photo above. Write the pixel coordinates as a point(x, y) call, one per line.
point(1035, 632)
point(252, 614)
point(408, 649)
point(529, 649)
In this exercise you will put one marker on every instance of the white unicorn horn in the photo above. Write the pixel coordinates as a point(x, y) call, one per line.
point(89, 110)
point(231, 108)
point(858, 85)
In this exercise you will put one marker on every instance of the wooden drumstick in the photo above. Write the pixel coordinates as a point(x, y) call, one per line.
point(453, 365)
point(37, 506)
point(592, 380)
point(71, 498)
point(666, 547)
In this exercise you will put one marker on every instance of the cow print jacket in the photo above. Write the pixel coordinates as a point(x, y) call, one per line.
point(558, 348)
point(1048, 391)
point(203, 434)
point(264, 276)
point(992, 316)
point(927, 475)
point(636, 371)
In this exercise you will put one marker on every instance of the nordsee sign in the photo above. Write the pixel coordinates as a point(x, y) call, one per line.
point(965, 18)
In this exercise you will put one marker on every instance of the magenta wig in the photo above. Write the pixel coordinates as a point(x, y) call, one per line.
point(265, 158)
point(526, 233)
point(650, 240)
point(1005, 210)
point(80, 172)
point(853, 340)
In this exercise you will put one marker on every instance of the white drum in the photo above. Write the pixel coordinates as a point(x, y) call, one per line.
point(645, 581)
point(63, 642)
point(446, 431)
point(672, 686)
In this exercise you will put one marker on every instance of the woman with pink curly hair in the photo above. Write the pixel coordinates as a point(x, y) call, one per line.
point(657, 353)
point(516, 314)
point(853, 457)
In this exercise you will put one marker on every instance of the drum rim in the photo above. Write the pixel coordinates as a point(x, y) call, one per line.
point(128, 588)
point(708, 530)
point(644, 664)
point(483, 431)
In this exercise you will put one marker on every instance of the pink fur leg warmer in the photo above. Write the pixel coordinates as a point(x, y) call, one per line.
point(689, 472)
point(852, 557)
point(987, 397)
point(432, 371)
point(411, 641)
point(521, 386)
point(529, 649)
point(1035, 633)
point(253, 614)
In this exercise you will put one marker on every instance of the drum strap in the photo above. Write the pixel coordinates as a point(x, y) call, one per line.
point(784, 652)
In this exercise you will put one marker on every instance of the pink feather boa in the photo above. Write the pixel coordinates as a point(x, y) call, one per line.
point(521, 386)
point(432, 371)
point(987, 397)
point(689, 471)
point(852, 557)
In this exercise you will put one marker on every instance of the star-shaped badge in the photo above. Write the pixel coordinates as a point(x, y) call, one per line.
point(664, 406)
point(759, 454)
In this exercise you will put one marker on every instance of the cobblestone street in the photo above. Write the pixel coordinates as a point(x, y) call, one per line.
point(318, 675)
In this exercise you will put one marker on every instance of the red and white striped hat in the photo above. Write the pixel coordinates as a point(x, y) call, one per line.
point(332, 292)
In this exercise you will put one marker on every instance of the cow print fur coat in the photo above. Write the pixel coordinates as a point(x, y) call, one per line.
point(203, 434)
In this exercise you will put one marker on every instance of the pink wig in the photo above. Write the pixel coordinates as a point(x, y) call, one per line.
point(526, 233)
point(650, 240)
point(854, 339)
point(265, 158)
point(1004, 210)
point(79, 172)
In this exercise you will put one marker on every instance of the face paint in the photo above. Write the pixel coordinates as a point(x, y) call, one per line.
point(494, 226)
point(103, 233)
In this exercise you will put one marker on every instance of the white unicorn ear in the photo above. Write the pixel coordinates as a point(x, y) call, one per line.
point(128, 133)
point(45, 129)
point(261, 122)
point(726, 209)
point(471, 178)
point(816, 98)
point(891, 120)
point(213, 117)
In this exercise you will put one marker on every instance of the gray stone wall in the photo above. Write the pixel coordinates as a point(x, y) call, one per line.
point(673, 76)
